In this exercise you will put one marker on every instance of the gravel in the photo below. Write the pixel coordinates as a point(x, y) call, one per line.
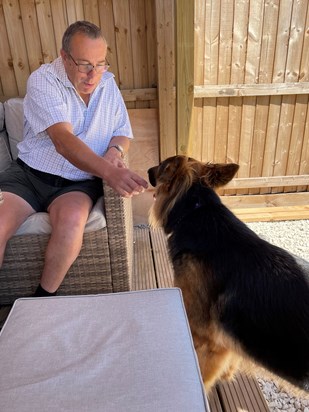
point(294, 237)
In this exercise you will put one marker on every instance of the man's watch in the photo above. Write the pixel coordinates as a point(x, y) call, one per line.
point(117, 147)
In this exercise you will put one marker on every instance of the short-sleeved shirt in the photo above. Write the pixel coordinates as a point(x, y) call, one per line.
point(51, 98)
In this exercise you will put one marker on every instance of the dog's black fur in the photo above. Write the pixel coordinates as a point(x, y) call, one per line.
point(256, 292)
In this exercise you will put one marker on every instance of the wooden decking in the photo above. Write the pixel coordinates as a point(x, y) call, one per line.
point(153, 270)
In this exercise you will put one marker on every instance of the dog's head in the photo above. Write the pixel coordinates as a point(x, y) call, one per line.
point(173, 177)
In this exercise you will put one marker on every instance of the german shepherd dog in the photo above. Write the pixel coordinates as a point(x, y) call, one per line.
point(247, 300)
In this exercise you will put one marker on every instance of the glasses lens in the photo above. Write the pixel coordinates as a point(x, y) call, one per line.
point(101, 68)
point(86, 68)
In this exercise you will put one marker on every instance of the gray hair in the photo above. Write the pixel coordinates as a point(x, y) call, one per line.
point(84, 27)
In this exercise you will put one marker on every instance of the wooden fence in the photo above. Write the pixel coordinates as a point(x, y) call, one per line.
point(244, 93)
point(230, 77)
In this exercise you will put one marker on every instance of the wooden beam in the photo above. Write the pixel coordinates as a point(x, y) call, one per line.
point(272, 214)
point(271, 181)
point(184, 73)
point(262, 89)
point(266, 200)
point(129, 95)
point(133, 95)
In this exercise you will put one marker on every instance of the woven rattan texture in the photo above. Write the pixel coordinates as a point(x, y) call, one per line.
point(104, 264)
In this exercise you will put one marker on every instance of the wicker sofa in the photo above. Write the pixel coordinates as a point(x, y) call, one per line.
point(105, 261)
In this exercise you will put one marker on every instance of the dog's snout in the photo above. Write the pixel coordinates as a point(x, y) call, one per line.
point(152, 176)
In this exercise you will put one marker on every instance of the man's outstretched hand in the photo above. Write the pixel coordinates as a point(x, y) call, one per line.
point(125, 182)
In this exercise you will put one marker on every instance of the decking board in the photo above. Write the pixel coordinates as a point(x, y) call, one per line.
point(243, 393)
point(144, 272)
point(163, 267)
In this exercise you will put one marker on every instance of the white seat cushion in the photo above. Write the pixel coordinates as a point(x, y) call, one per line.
point(1, 116)
point(121, 352)
point(39, 223)
point(5, 156)
point(14, 122)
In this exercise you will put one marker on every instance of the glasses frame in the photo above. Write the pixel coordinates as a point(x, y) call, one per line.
point(78, 65)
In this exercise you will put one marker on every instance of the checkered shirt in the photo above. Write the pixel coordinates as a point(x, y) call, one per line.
point(51, 98)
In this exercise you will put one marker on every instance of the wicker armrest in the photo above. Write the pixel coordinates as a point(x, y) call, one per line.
point(119, 222)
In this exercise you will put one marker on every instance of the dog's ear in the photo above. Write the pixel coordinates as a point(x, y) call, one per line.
point(219, 174)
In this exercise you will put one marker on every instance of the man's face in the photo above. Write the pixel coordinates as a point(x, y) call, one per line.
point(84, 50)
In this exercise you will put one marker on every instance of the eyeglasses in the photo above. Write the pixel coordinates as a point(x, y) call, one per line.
point(87, 67)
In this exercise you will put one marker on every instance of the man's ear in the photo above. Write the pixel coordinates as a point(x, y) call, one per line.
point(219, 174)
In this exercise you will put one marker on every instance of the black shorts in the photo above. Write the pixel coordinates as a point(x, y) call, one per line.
point(39, 189)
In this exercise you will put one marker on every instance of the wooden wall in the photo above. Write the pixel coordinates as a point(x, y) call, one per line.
point(31, 33)
point(258, 49)
point(248, 86)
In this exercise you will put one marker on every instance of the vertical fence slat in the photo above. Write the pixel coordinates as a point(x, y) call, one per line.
point(124, 45)
point(46, 30)
point(224, 75)
point(184, 15)
point(166, 76)
point(255, 24)
point(17, 43)
point(75, 10)
point(151, 50)
point(107, 25)
point(32, 34)
point(139, 46)
point(268, 44)
point(199, 35)
point(211, 53)
point(7, 75)
point(304, 161)
point(239, 50)
point(60, 21)
point(91, 11)
point(296, 145)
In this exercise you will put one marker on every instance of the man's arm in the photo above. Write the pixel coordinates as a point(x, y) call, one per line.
point(122, 180)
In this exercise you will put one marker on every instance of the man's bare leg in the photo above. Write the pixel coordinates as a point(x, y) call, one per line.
point(68, 217)
point(13, 212)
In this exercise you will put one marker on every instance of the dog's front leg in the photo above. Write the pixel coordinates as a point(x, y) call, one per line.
point(215, 362)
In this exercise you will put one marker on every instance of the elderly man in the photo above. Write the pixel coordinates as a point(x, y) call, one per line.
point(76, 131)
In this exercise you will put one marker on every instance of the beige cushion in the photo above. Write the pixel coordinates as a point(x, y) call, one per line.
point(5, 156)
point(121, 352)
point(14, 122)
point(1, 116)
point(39, 223)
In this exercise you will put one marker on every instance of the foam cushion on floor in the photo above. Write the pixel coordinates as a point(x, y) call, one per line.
point(129, 351)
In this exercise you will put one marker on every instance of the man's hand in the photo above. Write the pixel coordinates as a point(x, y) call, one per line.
point(125, 182)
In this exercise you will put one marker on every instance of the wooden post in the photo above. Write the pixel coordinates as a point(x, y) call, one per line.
point(184, 13)
point(166, 76)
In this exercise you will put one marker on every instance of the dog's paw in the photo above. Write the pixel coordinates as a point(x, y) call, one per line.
point(229, 374)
